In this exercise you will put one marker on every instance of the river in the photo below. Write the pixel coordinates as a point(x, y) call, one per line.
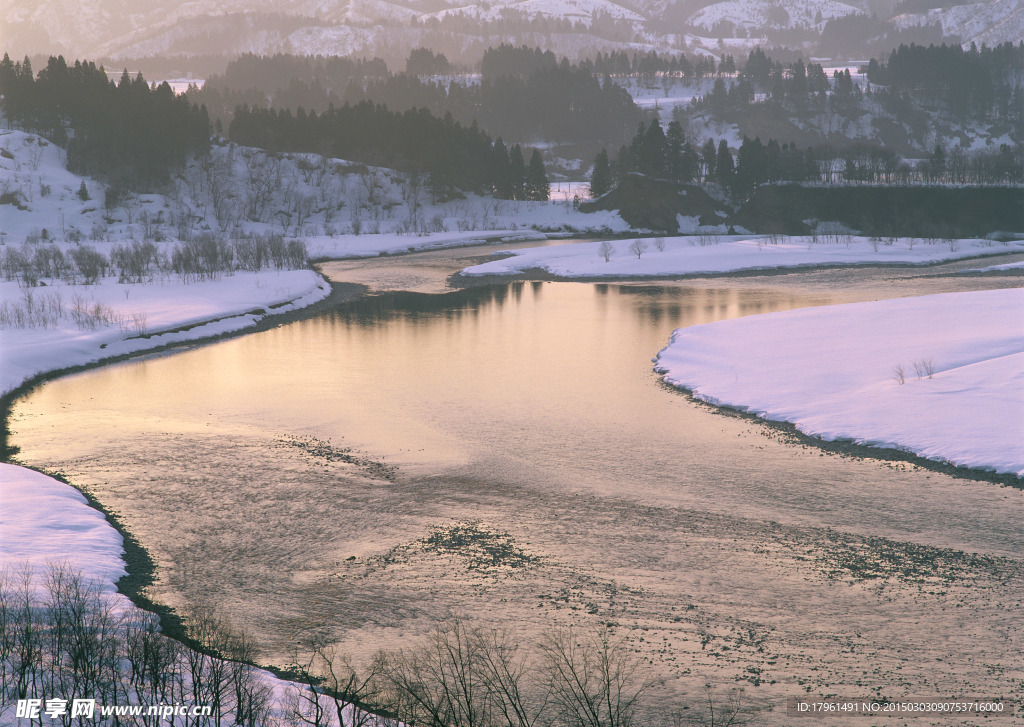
point(506, 453)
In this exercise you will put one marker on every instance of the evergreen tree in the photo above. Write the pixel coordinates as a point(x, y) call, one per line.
point(751, 166)
point(710, 160)
point(649, 156)
point(501, 173)
point(937, 164)
point(537, 186)
point(724, 167)
point(517, 172)
point(623, 164)
point(601, 178)
point(675, 145)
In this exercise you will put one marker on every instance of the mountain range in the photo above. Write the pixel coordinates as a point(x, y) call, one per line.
point(127, 29)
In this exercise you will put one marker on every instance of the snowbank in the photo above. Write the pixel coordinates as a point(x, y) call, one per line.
point(832, 371)
point(119, 318)
point(691, 255)
point(355, 246)
point(44, 522)
point(1009, 267)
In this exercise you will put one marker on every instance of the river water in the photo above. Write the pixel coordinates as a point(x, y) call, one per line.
point(301, 478)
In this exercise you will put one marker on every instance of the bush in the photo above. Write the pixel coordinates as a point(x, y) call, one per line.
point(91, 264)
point(135, 262)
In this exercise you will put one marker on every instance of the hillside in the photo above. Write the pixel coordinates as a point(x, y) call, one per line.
point(125, 29)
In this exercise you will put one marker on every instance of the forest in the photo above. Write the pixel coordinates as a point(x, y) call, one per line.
point(455, 157)
point(127, 133)
point(523, 94)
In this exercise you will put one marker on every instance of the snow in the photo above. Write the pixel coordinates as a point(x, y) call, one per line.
point(313, 198)
point(1019, 265)
point(667, 93)
point(582, 11)
point(45, 522)
point(759, 14)
point(990, 22)
point(689, 255)
point(830, 371)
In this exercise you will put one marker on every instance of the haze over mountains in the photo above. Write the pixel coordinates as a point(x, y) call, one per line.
point(122, 29)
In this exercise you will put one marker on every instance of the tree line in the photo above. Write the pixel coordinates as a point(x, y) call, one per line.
point(671, 156)
point(976, 84)
point(522, 93)
point(455, 157)
point(916, 83)
point(127, 133)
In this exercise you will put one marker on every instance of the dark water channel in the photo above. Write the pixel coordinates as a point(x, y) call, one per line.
point(531, 410)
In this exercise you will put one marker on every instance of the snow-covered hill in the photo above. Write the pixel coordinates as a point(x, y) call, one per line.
point(990, 22)
point(123, 29)
point(758, 15)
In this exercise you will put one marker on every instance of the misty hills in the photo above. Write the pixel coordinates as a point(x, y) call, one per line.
point(123, 29)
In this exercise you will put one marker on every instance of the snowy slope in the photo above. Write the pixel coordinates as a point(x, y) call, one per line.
point(576, 10)
point(990, 22)
point(765, 14)
point(131, 28)
point(831, 371)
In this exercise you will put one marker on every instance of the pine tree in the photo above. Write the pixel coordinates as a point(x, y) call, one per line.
point(708, 156)
point(675, 142)
point(724, 167)
point(651, 158)
point(501, 173)
point(517, 172)
point(601, 178)
point(537, 187)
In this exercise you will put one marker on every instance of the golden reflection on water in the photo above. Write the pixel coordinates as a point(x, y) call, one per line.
point(531, 407)
point(422, 381)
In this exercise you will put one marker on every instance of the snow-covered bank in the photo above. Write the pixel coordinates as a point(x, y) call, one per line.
point(94, 322)
point(355, 246)
point(1005, 267)
point(45, 522)
point(941, 376)
point(692, 255)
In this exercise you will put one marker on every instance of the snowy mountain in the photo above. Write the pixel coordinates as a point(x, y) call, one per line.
point(991, 22)
point(757, 15)
point(131, 28)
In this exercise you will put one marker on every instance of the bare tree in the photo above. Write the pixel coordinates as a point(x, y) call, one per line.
point(511, 680)
point(924, 367)
point(606, 250)
point(659, 244)
point(263, 177)
point(596, 681)
point(332, 692)
point(442, 683)
point(638, 247)
point(716, 711)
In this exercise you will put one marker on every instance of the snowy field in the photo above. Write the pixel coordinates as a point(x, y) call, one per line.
point(691, 255)
point(941, 376)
